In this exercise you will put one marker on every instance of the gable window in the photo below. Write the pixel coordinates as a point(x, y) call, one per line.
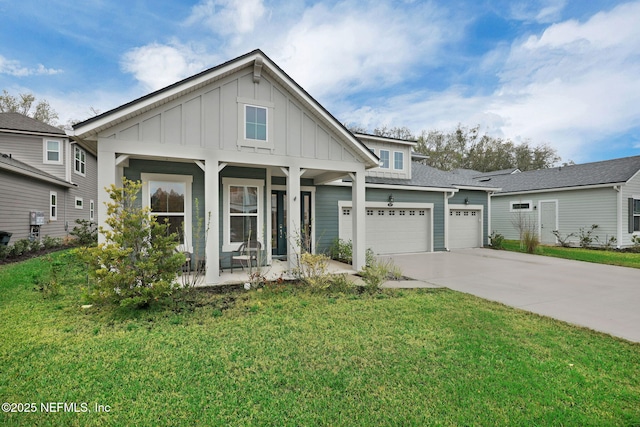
point(384, 159)
point(53, 206)
point(521, 206)
point(169, 199)
point(398, 160)
point(243, 211)
point(634, 215)
point(79, 203)
point(53, 151)
point(255, 123)
point(80, 160)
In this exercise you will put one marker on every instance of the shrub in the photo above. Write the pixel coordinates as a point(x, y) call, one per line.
point(610, 243)
point(587, 239)
point(137, 264)
point(19, 247)
point(378, 272)
point(497, 240)
point(341, 250)
point(312, 270)
point(636, 243)
point(86, 232)
point(563, 240)
point(51, 242)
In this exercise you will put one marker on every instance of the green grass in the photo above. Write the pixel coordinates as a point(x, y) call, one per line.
point(284, 356)
point(624, 259)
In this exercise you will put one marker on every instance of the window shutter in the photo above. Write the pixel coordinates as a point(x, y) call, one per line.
point(630, 230)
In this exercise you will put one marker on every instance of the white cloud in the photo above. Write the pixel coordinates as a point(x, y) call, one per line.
point(228, 16)
point(542, 11)
point(14, 68)
point(158, 65)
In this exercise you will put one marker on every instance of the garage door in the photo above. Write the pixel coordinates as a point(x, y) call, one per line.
point(464, 228)
point(392, 231)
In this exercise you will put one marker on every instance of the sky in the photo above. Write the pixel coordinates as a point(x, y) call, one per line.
point(560, 72)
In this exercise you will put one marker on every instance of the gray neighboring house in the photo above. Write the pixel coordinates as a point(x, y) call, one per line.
point(46, 180)
point(567, 198)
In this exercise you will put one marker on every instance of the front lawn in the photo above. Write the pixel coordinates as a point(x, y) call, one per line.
point(612, 257)
point(285, 356)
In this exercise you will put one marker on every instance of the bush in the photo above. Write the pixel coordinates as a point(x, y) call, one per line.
point(636, 243)
point(497, 240)
point(51, 242)
point(378, 272)
point(86, 232)
point(341, 250)
point(137, 265)
point(563, 240)
point(587, 239)
point(313, 271)
point(19, 247)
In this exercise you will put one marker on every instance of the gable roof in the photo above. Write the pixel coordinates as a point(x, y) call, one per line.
point(90, 128)
point(607, 172)
point(427, 176)
point(8, 163)
point(24, 124)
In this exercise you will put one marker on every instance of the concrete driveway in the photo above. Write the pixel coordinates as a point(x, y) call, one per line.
point(601, 297)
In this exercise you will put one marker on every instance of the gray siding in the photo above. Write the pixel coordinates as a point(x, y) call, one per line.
point(576, 209)
point(30, 149)
point(630, 190)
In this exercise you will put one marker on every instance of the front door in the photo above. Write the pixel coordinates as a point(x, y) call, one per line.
point(279, 222)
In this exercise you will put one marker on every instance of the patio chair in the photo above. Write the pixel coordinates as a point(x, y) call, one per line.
point(246, 254)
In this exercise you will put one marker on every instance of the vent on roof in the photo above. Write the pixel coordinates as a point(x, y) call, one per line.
point(485, 180)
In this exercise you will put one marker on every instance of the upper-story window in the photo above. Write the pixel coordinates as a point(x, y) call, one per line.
point(53, 151)
point(255, 123)
point(384, 159)
point(398, 160)
point(80, 161)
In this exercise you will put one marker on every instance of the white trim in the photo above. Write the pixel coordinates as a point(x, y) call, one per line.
point(550, 190)
point(227, 246)
point(388, 158)
point(78, 206)
point(396, 187)
point(82, 151)
point(45, 151)
point(269, 107)
point(394, 160)
point(53, 205)
point(462, 207)
point(520, 202)
point(188, 208)
point(376, 138)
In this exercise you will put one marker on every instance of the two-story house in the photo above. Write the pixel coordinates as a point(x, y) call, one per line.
point(47, 181)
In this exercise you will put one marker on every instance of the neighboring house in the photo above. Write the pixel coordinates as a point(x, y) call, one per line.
point(258, 156)
point(46, 180)
point(569, 198)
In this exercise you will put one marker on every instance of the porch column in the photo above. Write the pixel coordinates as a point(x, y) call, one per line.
point(212, 204)
point(293, 216)
point(267, 234)
point(106, 177)
point(358, 217)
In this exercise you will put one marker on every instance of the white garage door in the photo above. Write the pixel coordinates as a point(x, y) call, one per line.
point(391, 230)
point(464, 228)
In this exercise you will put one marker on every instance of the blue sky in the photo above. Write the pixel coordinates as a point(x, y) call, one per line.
point(561, 72)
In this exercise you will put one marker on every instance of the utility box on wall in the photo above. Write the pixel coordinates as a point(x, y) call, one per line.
point(36, 218)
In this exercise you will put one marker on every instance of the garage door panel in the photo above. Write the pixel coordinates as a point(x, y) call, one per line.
point(464, 228)
point(392, 230)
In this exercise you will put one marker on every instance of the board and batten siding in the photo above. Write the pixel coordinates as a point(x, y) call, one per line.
point(212, 117)
point(576, 209)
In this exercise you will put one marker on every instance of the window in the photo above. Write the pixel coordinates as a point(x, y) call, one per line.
point(79, 203)
point(53, 206)
point(521, 206)
point(346, 211)
point(92, 210)
point(255, 123)
point(53, 151)
point(398, 160)
point(168, 198)
point(243, 212)
point(80, 160)
point(384, 159)
point(634, 215)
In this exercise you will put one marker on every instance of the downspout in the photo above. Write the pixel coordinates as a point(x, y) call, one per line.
point(447, 196)
point(489, 231)
point(618, 189)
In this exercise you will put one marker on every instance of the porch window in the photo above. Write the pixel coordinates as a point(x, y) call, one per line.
point(243, 212)
point(169, 199)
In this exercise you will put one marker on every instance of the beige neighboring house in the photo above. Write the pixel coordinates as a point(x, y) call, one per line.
point(47, 181)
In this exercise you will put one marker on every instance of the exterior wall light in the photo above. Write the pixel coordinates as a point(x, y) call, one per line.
point(390, 199)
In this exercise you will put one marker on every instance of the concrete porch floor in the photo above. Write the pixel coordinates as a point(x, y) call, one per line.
point(277, 269)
